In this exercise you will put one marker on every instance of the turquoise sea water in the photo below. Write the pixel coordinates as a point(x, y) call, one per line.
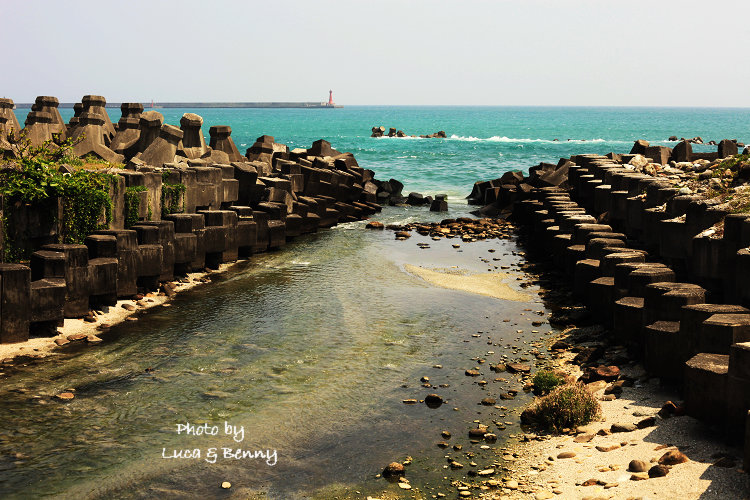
point(482, 142)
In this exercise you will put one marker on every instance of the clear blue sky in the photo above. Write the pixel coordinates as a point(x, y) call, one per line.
point(525, 52)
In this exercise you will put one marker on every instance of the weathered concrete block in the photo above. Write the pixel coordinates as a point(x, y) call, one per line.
point(47, 303)
point(628, 321)
point(720, 331)
point(77, 281)
point(691, 324)
point(163, 234)
point(705, 387)
point(127, 260)
point(103, 279)
point(15, 303)
point(662, 340)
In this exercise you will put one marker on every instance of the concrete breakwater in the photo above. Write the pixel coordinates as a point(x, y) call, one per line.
point(659, 254)
point(179, 205)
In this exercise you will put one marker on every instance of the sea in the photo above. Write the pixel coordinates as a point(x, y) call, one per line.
point(289, 375)
point(482, 141)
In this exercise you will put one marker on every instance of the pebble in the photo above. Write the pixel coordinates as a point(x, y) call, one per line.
point(65, 396)
point(673, 457)
point(658, 471)
point(607, 448)
point(226, 485)
point(638, 466)
point(623, 427)
point(566, 454)
point(393, 469)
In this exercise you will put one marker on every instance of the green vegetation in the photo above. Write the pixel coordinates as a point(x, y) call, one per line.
point(735, 162)
point(172, 200)
point(545, 381)
point(566, 407)
point(133, 204)
point(33, 178)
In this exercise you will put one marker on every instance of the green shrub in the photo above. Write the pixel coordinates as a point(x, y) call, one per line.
point(568, 406)
point(545, 381)
point(31, 176)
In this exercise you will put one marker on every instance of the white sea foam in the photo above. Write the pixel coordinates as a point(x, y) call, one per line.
point(497, 138)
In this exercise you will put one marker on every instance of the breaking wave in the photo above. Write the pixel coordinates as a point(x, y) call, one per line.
point(496, 138)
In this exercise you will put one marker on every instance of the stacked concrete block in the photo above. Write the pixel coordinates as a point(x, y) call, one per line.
point(49, 104)
point(95, 104)
point(94, 139)
point(230, 187)
point(38, 129)
point(163, 148)
point(74, 267)
point(247, 230)
point(186, 242)
point(15, 303)
point(160, 233)
point(127, 255)
point(8, 121)
point(221, 140)
point(149, 124)
point(220, 237)
point(193, 144)
point(128, 133)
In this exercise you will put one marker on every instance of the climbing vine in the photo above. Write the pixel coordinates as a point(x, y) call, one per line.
point(171, 196)
point(132, 205)
point(31, 177)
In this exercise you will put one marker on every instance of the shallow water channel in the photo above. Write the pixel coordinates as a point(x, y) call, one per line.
point(309, 350)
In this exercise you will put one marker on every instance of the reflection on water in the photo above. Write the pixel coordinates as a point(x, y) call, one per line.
point(309, 350)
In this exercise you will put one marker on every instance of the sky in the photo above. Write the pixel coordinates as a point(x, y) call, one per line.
point(383, 52)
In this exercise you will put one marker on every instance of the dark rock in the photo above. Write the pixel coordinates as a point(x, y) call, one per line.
point(646, 422)
point(639, 148)
point(489, 401)
point(518, 368)
point(393, 469)
point(658, 471)
point(433, 400)
point(673, 457)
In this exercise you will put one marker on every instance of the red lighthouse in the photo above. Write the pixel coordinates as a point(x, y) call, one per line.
point(330, 97)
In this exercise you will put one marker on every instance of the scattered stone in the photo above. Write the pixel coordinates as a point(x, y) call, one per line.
point(646, 422)
point(65, 396)
point(128, 307)
point(489, 401)
point(605, 449)
point(583, 438)
point(566, 454)
point(486, 472)
point(658, 471)
point(433, 400)
point(61, 342)
point(446, 434)
point(638, 466)
point(673, 457)
point(472, 373)
point(456, 465)
point(410, 401)
point(226, 485)
point(518, 368)
point(375, 225)
point(620, 427)
point(393, 469)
